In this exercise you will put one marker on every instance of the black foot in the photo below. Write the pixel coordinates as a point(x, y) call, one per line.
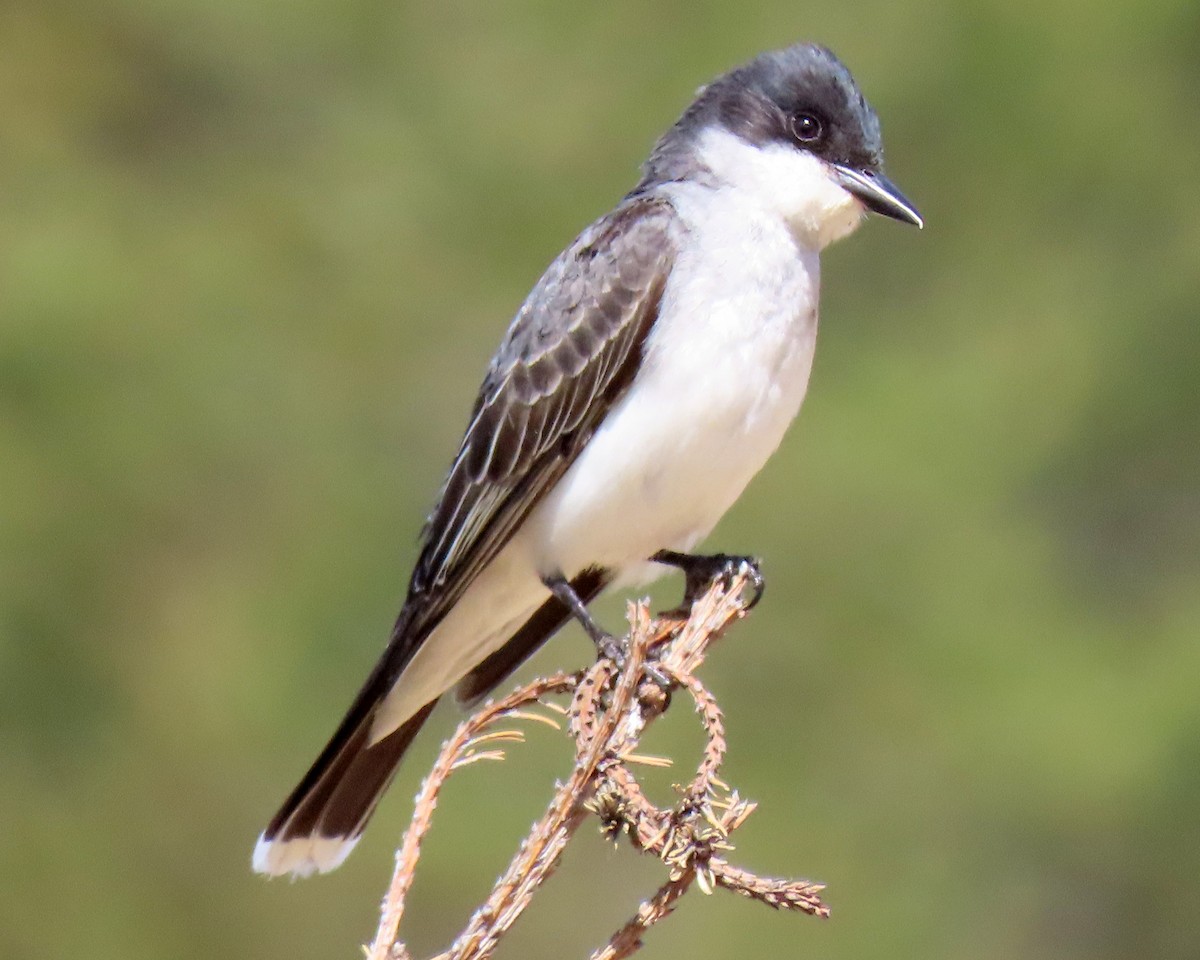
point(606, 644)
point(700, 572)
point(608, 647)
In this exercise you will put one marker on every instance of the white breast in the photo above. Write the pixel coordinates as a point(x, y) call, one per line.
point(725, 371)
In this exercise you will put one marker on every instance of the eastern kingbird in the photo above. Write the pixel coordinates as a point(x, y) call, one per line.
point(645, 380)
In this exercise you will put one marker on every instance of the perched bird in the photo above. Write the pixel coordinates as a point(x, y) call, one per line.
point(645, 380)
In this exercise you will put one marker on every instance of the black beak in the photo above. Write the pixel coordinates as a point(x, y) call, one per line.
point(878, 193)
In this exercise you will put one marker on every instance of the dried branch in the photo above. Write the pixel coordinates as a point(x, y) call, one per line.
point(609, 709)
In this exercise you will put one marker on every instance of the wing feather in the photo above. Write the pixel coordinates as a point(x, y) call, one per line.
point(572, 349)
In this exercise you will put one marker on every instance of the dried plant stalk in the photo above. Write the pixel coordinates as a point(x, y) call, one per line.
point(610, 707)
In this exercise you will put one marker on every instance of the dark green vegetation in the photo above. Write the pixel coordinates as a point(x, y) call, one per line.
point(253, 259)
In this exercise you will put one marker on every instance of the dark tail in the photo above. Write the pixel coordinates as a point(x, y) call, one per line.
point(319, 824)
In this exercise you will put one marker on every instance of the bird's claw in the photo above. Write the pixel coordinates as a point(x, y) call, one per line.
point(724, 568)
point(616, 650)
point(611, 648)
point(758, 583)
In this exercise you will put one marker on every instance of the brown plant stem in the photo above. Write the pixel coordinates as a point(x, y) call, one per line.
point(609, 710)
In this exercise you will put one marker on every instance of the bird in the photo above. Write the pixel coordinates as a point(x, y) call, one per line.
point(645, 380)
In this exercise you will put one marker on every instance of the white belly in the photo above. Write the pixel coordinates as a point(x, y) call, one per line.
point(725, 371)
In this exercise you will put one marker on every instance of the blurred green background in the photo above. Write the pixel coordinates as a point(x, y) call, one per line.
point(253, 259)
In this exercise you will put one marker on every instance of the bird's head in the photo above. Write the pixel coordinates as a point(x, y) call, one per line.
point(792, 130)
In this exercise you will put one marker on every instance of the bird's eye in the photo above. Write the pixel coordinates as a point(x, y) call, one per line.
point(807, 127)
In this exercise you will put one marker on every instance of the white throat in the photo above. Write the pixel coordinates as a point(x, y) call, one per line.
point(788, 182)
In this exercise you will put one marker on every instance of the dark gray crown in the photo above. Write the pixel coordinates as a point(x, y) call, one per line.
point(760, 102)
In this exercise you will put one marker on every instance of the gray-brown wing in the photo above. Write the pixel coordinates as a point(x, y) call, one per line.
point(573, 348)
point(571, 351)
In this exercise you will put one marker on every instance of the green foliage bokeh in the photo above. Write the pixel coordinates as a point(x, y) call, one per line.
point(253, 259)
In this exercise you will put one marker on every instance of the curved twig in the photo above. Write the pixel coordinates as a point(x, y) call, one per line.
point(610, 707)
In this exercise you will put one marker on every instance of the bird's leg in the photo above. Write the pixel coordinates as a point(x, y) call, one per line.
point(701, 571)
point(606, 644)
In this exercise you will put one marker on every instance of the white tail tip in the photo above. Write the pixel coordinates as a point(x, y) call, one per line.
point(301, 856)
